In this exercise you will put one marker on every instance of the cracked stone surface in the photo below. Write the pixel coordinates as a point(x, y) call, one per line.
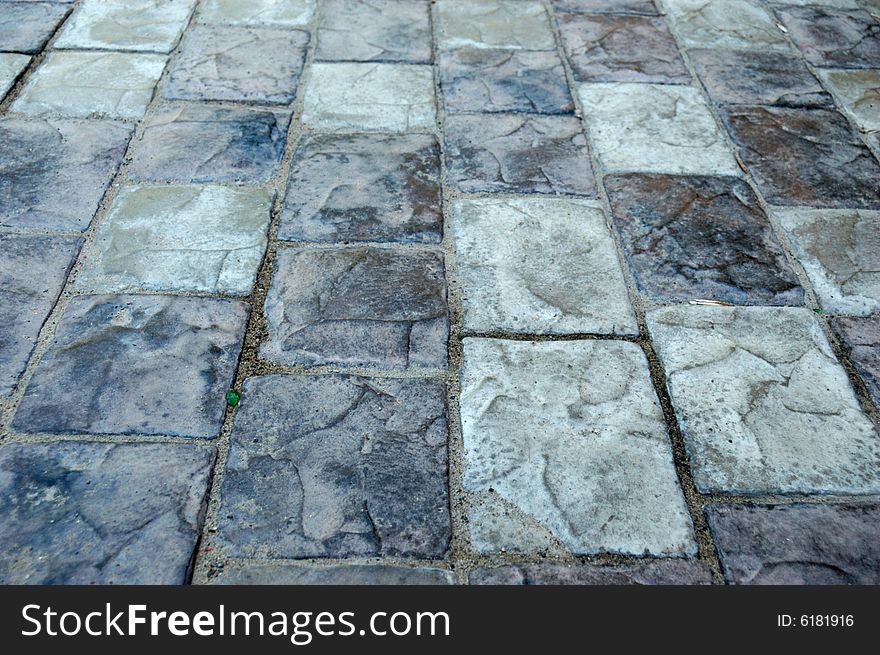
point(32, 271)
point(861, 337)
point(98, 513)
point(27, 26)
point(834, 38)
point(41, 157)
point(654, 128)
point(351, 574)
point(369, 97)
point(725, 24)
point(840, 252)
point(253, 64)
point(337, 466)
point(364, 307)
point(11, 66)
point(859, 94)
point(364, 188)
point(518, 154)
point(179, 238)
point(203, 143)
point(798, 544)
point(662, 572)
point(565, 442)
point(539, 265)
point(475, 80)
point(697, 237)
point(274, 13)
point(89, 84)
point(762, 402)
point(613, 48)
point(511, 24)
point(805, 157)
point(605, 6)
point(147, 365)
point(376, 30)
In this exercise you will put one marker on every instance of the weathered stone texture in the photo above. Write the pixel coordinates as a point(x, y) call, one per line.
point(861, 336)
point(274, 13)
point(26, 26)
point(725, 24)
point(658, 572)
point(512, 24)
point(859, 94)
point(834, 38)
point(351, 574)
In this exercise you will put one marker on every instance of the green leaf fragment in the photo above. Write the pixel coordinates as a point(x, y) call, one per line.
point(232, 397)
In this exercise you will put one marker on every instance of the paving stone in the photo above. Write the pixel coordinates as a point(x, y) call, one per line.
point(725, 24)
point(141, 25)
point(518, 154)
point(91, 84)
point(32, 271)
point(654, 128)
point(151, 365)
point(568, 438)
point(275, 13)
point(698, 237)
point(844, 4)
point(358, 308)
point(859, 93)
point(861, 336)
point(804, 157)
point(763, 405)
point(539, 265)
point(100, 513)
point(605, 6)
point(364, 188)
point(753, 77)
point(352, 574)
point(337, 466)
point(204, 143)
point(840, 252)
point(504, 80)
point(613, 48)
point(11, 66)
point(660, 572)
point(179, 238)
point(26, 26)
point(798, 544)
point(510, 24)
point(253, 64)
point(380, 30)
point(834, 38)
point(53, 173)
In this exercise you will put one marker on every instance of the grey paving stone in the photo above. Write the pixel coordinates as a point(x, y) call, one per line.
point(11, 66)
point(477, 80)
point(753, 77)
point(275, 13)
point(605, 6)
point(378, 30)
point(763, 404)
point(844, 4)
point(834, 38)
point(859, 95)
point(798, 544)
point(53, 173)
point(518, 154)
point(352, 574)
point(840, 252)
point(654, 128)
point(151, 365)
point(698, 237)
point(91, 84)
point(141, 25)
point(725, 24)
point(615, 48)
point(337, 466)
point(369, 97)
point(539, 265)
point(362, 307)
point(204, 143)
point(364, 188)
point(861, 336)
point(805, 157)
point(179, 238)
point(32, 271)
point(26, 26)
point(238, 63)
point(567, 439)
point(510, 24)
point(659, 572)
point(100, 513)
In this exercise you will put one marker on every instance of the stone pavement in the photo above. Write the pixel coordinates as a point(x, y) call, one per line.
point(450, 291)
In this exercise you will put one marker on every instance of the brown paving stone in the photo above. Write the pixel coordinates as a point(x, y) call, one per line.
point(861, 336)
point(834, 38)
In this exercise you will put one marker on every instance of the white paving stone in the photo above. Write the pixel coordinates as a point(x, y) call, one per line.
point(512, 24)
point(725, 24)
point(858, 92)
point(11, 66)
point(277, 13)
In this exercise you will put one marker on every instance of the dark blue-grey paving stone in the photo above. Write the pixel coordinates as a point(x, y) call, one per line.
point(203, 143)
point(518, 154)
point(364, 307)
point(605, 6)
point(336, 466)
point(834, 38)
point(690, 237)
point(504, 80)
point(861, 337)
point(364, 188)
point(379, 30)
point(238, 63)
point(798, 544)
point(32, 271)
point(805, 157)
point(151, 365)
point(350, 574)
point(100, 513)
point(753, 77)
point(26, 26)
point(53, 173)
point(659, 572)
point(612, 48)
